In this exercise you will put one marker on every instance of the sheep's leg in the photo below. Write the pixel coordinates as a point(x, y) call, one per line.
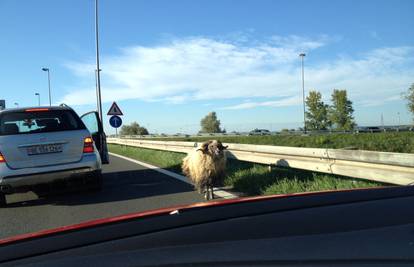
point(211, 192)
point(200, 190)
point(206, 195)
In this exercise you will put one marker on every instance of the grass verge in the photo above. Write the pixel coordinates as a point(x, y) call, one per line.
point(167, 160)
point(249, 178)
point(402, 142)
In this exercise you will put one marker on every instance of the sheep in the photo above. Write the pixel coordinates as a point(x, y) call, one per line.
point(206, 167)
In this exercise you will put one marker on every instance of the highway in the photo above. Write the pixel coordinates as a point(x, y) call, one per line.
point(128, 187)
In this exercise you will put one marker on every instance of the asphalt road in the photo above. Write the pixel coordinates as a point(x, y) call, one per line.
point(128, 187)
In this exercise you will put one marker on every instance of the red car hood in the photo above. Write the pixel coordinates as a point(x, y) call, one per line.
point(159, 212)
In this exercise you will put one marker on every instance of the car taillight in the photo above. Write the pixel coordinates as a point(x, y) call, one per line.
point(88, 145)
point(36, 109)
point(2, 159)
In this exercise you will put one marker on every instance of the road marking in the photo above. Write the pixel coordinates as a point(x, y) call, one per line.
point(218, 192)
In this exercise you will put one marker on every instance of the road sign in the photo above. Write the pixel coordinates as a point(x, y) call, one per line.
point(115, 121)
point(115, 110)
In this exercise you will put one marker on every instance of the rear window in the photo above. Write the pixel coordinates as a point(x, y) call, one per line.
point(39, 122)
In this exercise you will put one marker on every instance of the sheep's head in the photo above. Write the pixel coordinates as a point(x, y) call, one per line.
point(213, 147)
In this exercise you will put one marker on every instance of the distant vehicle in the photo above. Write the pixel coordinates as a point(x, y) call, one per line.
point(46, 144)
point(370, 129)
point(259, 132)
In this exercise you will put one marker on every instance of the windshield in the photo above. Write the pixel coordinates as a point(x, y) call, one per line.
point(39, 122)
point(202, 101)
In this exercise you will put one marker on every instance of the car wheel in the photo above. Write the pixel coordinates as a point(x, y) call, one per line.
point(3, 201)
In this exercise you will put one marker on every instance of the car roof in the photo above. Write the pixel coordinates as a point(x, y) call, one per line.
point(22, 109)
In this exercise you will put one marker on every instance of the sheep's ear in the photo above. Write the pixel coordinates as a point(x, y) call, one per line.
point(221, 147)
point(204, 146)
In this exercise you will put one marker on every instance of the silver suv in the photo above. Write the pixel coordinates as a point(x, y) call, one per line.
point(45, 144)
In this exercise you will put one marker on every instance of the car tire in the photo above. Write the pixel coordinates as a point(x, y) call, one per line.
point(3, 201)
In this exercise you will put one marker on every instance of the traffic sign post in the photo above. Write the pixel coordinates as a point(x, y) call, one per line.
point(115, 121)
point(115, 110)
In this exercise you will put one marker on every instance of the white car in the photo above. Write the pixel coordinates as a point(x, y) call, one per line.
point(40, 145)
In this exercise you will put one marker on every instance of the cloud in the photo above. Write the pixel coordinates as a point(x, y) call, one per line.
point(301, 43)
point(277, 103)
point(203, 69)
point(378, 102)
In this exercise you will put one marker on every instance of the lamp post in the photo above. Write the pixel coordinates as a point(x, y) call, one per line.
point(399, 122)
point(48, 78)
point(98, 99)
point(302, 55)
point(98, 70)
point(38, 98)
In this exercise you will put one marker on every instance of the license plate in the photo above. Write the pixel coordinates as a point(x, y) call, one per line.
point(44, 149)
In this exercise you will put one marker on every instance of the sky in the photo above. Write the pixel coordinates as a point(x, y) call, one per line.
point(169, 63)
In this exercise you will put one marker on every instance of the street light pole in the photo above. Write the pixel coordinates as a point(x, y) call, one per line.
point(302, 55)
point(38, 98)
point(96, 87)
point(48, 78)
point(98, 70)
point(399, 122)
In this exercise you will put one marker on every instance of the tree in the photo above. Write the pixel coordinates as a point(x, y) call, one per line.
point(409, 96)
point(210, 124)
point(317, 114)
point(340, 113)
point(133, 129)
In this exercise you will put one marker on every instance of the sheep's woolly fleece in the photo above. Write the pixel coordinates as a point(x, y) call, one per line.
point(204, 169)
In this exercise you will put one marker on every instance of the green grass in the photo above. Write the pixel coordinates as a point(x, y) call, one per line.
point(402, 142)
point(259, 180)
point(250, 178)
point(164, 159)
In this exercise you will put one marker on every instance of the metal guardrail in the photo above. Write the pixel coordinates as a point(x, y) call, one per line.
point(393, 168)
point(402, 128)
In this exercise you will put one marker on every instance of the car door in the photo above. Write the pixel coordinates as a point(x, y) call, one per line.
point(94, 125)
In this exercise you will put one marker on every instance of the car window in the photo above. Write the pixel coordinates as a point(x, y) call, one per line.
point(91, 122)
point(30, 122)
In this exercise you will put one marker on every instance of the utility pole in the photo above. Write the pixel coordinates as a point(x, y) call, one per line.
point(302, 55)
point(399, 119)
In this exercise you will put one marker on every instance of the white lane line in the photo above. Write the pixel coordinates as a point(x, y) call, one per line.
point(218, 192)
